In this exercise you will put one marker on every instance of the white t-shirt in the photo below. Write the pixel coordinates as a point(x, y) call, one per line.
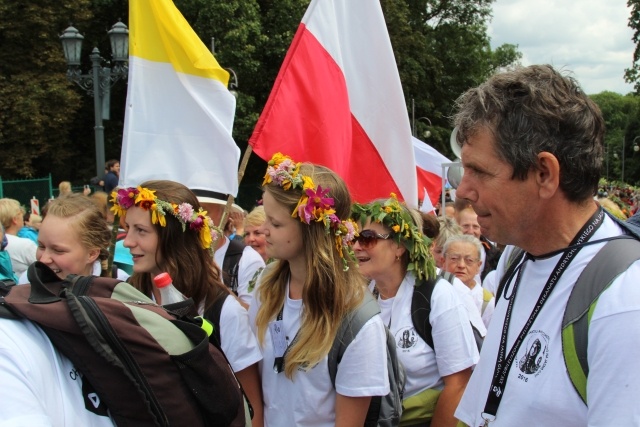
point(249, 263)
point(22, 252)
point(456, 348)
point(489, 282)
point(236, 337)
point(39, 386)
point(477, 296)
point(97, 269)
point(538, 389)
point(309, 399)
point(463, 295)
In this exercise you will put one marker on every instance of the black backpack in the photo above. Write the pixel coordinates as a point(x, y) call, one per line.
point(421, 309)
point(231, 264)
point(150, 366)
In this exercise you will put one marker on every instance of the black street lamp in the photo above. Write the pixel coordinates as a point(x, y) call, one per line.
point(98, 83)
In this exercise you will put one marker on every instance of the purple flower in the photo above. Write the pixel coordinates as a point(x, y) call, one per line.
point(127, 197)
point(317, 204)
point(197, 223)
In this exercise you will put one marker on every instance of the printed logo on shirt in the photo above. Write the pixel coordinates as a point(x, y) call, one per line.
point(532, 356)
point(406, 338)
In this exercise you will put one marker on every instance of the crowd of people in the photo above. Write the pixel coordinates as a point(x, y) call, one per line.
point(490, 277)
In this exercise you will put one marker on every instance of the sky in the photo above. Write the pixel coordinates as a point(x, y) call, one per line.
point(590, 38)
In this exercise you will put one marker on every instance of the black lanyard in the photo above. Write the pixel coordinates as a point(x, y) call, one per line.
point(503, 364)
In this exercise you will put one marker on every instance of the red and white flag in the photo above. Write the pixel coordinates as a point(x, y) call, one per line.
point(338, 102)
point(429, 168)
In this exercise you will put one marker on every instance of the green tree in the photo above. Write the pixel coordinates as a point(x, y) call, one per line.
point(622, 120)
point(37, 104)
point(632, 74)
point(441, 49)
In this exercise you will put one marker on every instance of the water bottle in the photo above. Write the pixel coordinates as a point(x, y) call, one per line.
point(168, 293)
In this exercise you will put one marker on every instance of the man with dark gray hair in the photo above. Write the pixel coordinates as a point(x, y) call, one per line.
point(532, 152)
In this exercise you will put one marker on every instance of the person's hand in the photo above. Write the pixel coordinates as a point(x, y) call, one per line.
point(87, 190)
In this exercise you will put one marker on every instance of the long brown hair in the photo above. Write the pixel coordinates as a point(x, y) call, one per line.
point(329, 292)
point(180, 253)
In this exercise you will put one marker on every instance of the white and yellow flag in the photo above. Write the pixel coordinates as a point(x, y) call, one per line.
point(179, 112)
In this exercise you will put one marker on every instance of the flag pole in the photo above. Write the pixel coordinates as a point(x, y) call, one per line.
point(230, 199)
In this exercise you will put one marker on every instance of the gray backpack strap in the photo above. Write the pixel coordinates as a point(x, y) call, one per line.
point(348, 330)
point(449, 277)
point(613, 259)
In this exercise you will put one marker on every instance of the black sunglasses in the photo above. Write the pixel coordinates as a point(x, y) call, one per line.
point(369, 238)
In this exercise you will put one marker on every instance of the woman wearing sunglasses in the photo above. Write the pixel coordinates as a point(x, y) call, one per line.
point(394, 254)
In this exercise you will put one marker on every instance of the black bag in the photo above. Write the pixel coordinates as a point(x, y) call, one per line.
point(149, 366)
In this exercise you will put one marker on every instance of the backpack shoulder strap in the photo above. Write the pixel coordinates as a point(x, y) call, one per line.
point(614, 258)
point(213, 316)
point(421, 308)
point(514, 259)
point(449, 277)
point(231, 263)
point(348, 330)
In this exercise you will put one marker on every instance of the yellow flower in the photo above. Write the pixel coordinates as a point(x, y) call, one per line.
point(145, 195)
point(302, 202)
point(307, 183)
point(205, 236)
point(157, 216)
point(396, 228)
point(117, 210)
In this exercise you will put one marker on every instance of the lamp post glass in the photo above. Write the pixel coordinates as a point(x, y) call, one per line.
point(98, 82)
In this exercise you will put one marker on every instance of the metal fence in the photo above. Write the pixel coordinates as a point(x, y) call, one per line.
point(23, 190)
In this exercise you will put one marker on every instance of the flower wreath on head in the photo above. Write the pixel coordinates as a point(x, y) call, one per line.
point(396, 217)
point(146, 199)
point(314, 204)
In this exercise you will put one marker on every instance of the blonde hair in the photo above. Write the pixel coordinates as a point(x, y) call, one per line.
point(88, 222)
point(9, 209)
point(448, 228)
point(64, 187)
point(255, 218)
point(329, 292)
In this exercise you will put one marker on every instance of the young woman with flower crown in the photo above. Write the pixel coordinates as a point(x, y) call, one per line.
point(303, 296)
point(167, 231)
point(394, 254)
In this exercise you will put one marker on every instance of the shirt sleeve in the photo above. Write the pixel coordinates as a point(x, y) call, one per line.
point(362, 371)
point(249, 264)
point(453, 339)
point(236, 336)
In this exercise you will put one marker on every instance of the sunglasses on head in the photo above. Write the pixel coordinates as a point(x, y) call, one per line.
point(369, 238)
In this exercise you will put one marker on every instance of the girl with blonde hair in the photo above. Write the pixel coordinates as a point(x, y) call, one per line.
point(74, 238)
point(303, 297)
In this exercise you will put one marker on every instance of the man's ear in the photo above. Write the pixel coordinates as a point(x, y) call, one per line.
point(547, 174)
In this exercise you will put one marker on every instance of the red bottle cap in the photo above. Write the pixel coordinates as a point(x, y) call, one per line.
point(162, 280)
